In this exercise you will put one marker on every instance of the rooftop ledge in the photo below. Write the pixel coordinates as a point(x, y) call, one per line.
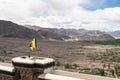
point(6, 68)
point(32, 60)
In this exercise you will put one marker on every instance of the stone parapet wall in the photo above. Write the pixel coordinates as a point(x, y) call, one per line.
point(6, 77)
point(25, 72)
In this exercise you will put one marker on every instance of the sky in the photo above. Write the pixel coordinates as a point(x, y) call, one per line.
point(101, 15)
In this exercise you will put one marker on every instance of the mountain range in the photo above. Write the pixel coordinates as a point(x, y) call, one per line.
point(77, 34)
point(13, 30)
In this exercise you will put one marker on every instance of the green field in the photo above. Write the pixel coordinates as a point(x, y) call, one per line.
point(107, 42)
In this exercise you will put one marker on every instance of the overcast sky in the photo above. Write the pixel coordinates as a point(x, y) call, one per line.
point(88, 14)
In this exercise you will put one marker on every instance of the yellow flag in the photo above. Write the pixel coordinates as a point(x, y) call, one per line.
point(32, 44)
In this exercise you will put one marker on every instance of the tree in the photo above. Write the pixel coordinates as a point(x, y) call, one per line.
point(57, 63)
point(67, 66)
point(102, 73)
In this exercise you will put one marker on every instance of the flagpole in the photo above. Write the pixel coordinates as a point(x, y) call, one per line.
point(29, 54)
point(31, 51)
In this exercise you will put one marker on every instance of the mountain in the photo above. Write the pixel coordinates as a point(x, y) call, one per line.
point(36, 28)
point(98, 37)
point(74, 34)
point(95, 35)
point(51, 35)
point(115, 34)
point(69, 32)
point(81, 34)
point(13, 30)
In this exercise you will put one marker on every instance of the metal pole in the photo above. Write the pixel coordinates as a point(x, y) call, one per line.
point(29, 55)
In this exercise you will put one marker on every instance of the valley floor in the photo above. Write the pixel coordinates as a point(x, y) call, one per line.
point(82, 54)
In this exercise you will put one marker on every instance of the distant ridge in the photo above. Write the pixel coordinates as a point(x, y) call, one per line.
point(75, 34)
point(13, 30)
point(36, 28)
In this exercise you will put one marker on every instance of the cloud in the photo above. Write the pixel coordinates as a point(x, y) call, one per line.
point(106, 19)
point(60, 14)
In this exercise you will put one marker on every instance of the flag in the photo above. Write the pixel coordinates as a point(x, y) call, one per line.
point(33, 44)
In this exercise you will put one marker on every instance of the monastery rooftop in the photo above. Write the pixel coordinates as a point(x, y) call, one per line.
point(32, 60)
